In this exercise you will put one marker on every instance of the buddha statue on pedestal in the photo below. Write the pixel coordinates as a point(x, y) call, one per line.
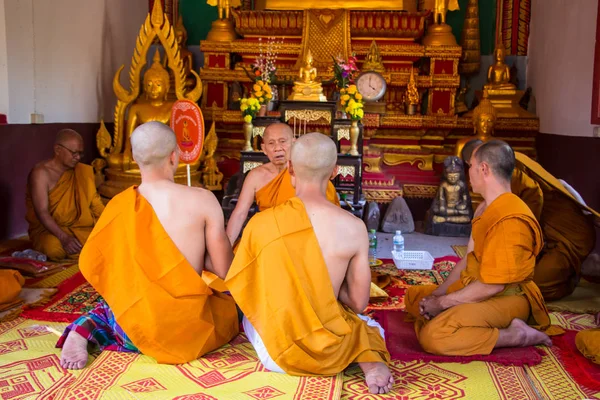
point(373, 59)
point(484, 118)
point(499, 73)
point(307, 88)
point(451, 211)
point(439, 33)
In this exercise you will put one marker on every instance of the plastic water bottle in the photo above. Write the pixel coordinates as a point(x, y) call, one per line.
point(399, 244)
point(372, 247)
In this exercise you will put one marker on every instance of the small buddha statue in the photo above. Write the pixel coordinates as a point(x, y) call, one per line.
point(211, 176)
point(499, 73)
point(373, 60)
point(151, 106)
point(411, 96)
point(186, 55)
point(451, 211)
point(307, 88)
point(484, 118)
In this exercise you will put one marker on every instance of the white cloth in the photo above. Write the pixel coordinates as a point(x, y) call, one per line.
point(263, 354)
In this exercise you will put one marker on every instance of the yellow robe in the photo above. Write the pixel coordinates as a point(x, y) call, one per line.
point(507, 240)
point(157, 297)
point(588, 343)
point(281, 283)
point(75, 206)
point(569, 235)
point(280, 190)
point(11, 282)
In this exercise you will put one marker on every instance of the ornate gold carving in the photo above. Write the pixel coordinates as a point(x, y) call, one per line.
point(396, 5)
point(308, 115)
point(381, 196)
point(258, 131)
point(277, 23)
point(250, 165)
point(424, 161)
point(346, 170)
point(420, 191)
point(343, 133)
point(325, 33)
point(373, 164)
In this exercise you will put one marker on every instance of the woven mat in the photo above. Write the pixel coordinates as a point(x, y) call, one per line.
point(460, 250)
point(585, 299)
point(29, 297)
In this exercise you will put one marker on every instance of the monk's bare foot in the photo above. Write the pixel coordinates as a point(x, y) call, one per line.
point(378, 377)
point(519, 334)
point(74, 352)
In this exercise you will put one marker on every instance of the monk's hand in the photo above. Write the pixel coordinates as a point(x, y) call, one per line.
point(430, 307)
point(70, 244)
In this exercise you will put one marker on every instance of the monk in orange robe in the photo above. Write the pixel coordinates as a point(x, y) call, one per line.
point(569, 233)
point(62, 203)
point(269, 184)
point(146, 258)
point(11, 282)
point(487, 301)
point(301, 276)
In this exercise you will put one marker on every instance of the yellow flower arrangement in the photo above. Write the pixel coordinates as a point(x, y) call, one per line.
point(249, 108)
point(262, 92)
point(352, 101)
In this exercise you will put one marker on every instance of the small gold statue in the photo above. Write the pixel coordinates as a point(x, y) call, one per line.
point(186, 55)
point(411, 96)
point(211, 176)
point(439, 33)
point(484, 119)
point(307, 89)
point(222, 29)
point(451, 210)
point(373, 60)
point(224, 6)
point(499, 73)
point(440, 9)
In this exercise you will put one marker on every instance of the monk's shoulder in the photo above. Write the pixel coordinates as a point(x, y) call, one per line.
point(39, 174)
point(261, 175)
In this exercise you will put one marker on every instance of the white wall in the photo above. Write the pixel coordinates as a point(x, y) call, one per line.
point(3, 63)
point(62, 56)
point(561, 62)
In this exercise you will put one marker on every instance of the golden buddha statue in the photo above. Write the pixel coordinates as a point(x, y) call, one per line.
point(373, 60)
point(186, 55)
point(484, 118)
point(411, 96)
point(452, 204)
point(211, 176)
point(152, 104)
point(307, 89)
point(499, 73)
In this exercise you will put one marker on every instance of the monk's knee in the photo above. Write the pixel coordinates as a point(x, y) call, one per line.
point(51, 247)
point(432, 338)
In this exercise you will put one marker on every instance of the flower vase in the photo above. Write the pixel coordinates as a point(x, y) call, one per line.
point(263, 110)
point(354, 132)
point(248, 136)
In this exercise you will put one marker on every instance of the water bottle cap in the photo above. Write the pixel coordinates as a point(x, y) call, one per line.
point(372, 231)
point(398, 232)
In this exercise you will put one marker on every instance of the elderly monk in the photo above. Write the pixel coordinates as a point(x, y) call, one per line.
point(62, 203)
point(569, 233)
point(301, 276)
point(145, 257)
point(269, 184)
point(487, 300)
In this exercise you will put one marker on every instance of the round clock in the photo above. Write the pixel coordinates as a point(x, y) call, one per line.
point(371, 85)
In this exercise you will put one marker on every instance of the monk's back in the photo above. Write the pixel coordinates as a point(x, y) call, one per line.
point(180, 212)
point(337, 232)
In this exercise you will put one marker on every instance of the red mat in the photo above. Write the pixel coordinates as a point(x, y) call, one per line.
point(403, 345)
point(75, 297)
point(583, 371)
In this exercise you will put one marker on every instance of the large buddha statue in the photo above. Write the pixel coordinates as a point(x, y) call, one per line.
point(151, 106)
point(484, 119)
point(499, 73)
point(307, 88)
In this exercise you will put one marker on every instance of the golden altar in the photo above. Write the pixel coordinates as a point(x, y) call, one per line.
point(402, 154)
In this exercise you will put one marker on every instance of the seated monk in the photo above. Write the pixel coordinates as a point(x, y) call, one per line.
point(62, 203)
point(145, 258)
point(270, 183)
point(301, 276)
point(569, 234)
point(489, 298)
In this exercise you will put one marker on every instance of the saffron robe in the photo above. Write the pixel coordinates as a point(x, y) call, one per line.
point(281, 283)
point(588, 343)
point(280, 189)
point(158, 299)
point(75, 206)
point(11, 282)
point(569, 235)
point(507, 239)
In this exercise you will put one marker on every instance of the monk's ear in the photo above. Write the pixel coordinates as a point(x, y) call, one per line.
point(291, 168)
point(334, 173)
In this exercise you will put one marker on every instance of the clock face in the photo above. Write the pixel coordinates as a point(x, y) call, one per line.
point(371, 85)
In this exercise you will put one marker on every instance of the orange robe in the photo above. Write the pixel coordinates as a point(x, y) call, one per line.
point(11, 282)
point(157, 297)
point(507, 240)
point(75, 206)
point(280, 190)
point(569, 235)
point(588, 343)
point(281, 283)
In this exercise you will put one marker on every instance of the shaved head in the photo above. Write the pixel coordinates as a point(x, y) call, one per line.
point(278, 128)
point(276, 144)
point(152, 144)
point(66, 135)
point(469, 148)
point(314, 157)
point(499, 156)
